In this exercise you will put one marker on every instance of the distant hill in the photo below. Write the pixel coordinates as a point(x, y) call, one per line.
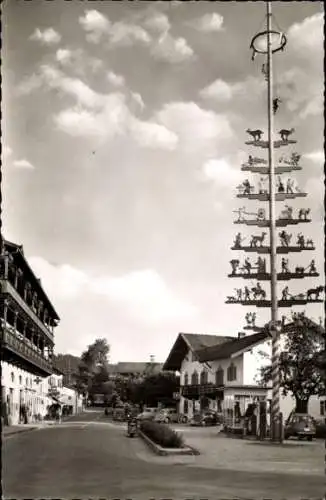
point(68, 365)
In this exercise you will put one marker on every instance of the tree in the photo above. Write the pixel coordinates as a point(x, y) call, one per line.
point(156, 388)
point(300, 364)
point(93, 372)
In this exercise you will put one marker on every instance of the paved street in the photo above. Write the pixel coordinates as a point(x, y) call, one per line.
point(90, 457)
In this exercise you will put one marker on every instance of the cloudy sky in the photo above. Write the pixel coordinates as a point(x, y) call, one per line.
point(123, 133)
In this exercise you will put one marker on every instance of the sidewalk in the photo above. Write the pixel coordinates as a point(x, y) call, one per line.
point(291, 457)
point(17, 429)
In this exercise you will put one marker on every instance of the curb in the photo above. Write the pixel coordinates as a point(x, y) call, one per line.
point(159, 450)
point(20, 431)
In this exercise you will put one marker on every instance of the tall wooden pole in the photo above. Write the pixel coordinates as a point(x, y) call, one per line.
point(275, 406)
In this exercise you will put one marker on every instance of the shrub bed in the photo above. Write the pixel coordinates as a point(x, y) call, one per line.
point(161, 434)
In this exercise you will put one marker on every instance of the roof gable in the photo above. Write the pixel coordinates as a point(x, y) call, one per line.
point(193, 342)
point(231, 347)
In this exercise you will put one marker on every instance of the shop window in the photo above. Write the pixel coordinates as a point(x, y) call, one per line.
point(322, 408)
point(186, 381)
point(203, 377)
point(232, 373)
point(194, 378)
point(219, 376)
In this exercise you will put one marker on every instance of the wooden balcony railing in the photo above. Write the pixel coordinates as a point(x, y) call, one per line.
point(7, 287)
point(200, 389)
point(11, 341)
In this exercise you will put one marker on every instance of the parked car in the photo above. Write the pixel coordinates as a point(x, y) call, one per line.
point(167, 416)
point(320, 428)
point(203, 418)
point(147, 414)
point(300, 425)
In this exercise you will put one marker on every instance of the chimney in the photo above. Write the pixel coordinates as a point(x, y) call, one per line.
point(241, 335)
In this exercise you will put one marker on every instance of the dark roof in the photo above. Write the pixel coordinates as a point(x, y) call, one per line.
point(133, 367)
point(231, 347)
point(18, 252)
point(194, 342)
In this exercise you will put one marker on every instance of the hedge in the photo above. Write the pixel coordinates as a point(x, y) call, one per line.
point(161, 434)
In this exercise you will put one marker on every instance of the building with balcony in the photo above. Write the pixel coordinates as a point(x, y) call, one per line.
point(28, 320)
point(223, 373)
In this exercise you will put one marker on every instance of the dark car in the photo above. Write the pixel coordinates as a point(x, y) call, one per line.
point(204, 418)
point(300, 425)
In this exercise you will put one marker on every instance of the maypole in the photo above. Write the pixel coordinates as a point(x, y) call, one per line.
point(267, 43)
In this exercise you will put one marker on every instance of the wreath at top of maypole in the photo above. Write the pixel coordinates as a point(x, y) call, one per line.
point(279, 41)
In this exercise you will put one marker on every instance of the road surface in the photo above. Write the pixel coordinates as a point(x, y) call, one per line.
point(88, 457)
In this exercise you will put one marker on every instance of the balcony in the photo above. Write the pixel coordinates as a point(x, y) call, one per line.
point(20, 353)
point(8, 288)
point(195, 391)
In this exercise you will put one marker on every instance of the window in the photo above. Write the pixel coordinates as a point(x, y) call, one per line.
point(203, 377)
point(194, 378)
point(322, 407)
point(12, 376)
point(20, 380)
point(232, 373)
point(69, 398)
point(219, 376)
point(186, 381)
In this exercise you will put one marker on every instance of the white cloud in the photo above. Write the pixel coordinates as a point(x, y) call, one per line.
point(301, 92)
point(196, 128)
point(6, 151)
point(78, 60)
point(158, 22)
point(221, 172)
point(29, 84)
point(48, 37)
point(125, 34)
point(173, 50)
point(63, 56)
point(62, 281)
point(95, 24)
point(116, 80)
point(219, 90)
point(145, 295)
point(99, 27)
point(24, 164)
point(73, 86)
point(209, 22)
point(152, 135)
point(316, 156)
point(306, 37)
point(138, 99)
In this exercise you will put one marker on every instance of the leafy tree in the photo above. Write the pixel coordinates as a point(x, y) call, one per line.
point(156, 388)
point(93, 373)
point(301, 362)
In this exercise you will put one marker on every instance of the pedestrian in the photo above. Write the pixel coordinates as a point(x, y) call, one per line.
point(58, 414)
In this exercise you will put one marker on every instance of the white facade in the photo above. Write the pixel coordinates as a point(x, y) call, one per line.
point(20, 387)
point(70, 397)
point(247, 371)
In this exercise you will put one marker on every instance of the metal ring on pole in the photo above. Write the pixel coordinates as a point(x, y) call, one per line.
point(282, 43)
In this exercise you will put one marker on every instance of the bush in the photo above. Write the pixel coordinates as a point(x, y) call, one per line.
point(161, 434)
